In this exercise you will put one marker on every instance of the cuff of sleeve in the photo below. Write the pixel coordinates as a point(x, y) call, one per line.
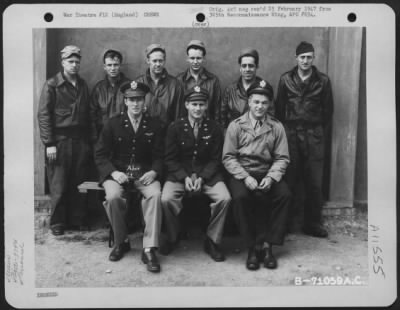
point(274, 176)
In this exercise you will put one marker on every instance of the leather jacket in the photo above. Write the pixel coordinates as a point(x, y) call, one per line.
point(308, 101)
point(63, 110)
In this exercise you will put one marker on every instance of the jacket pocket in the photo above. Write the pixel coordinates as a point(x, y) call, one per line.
point(62, 117)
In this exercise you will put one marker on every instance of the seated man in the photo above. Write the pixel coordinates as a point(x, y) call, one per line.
point(129, 153)
point(192, 158)
point(256, 155)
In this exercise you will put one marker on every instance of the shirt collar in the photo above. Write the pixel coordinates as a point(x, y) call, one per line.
point(202, 75)
point(253, 121)
point(191, 122)
point(138, 120)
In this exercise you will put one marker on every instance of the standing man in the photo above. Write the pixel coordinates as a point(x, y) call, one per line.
point(165, 99)
point(192, 158)
point(107, 100)
point(304, 104)
point(129, 153)
point(196, 74)
point(256, 155)
point(234, 102)
point(63, 117)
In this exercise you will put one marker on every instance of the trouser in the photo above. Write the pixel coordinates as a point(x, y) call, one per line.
point(260, 216)
point(116, 208)
point(306, 149)
point(68, 206)
point(171, 200)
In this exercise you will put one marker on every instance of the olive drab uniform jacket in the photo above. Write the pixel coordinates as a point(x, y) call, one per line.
point(185, 155)
point(118, 145)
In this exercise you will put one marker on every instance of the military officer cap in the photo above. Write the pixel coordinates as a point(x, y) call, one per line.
point(196, 93)
point(197, 43)
point(304, 47)
point(70, 50)
point(153, 48)
point(134, 89)
point(249, 52)
point(262, 87)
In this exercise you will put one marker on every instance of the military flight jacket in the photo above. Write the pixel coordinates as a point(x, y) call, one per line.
point(106, 101)
point(310, 101)
point(208, 81)
point(185, 155)
point(234, 102)
point(63, 110)
point(165, 100)
point(118, 143)
point(260, 154)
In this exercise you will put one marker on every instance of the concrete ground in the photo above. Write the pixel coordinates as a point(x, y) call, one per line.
point(80, 259)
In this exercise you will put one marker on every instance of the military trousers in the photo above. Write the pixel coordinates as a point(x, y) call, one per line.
point(307, 151)
point(260, 216)
point(68, 206)
point(116, 207)
point(171, 200)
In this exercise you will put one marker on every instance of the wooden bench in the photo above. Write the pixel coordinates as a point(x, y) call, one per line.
point(87, 186)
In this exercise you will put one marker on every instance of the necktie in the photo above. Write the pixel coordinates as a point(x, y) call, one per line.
point(135, 125)
point(257, 125)
point(196, 129)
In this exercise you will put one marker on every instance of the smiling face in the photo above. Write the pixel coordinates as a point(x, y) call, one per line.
point(135, 105)
point(195, 59)
point(71, 65)
point(305, 61)
point(156, 62)
point(258, 105)
point(196, 109)
point(112, 67)
point(248, 68)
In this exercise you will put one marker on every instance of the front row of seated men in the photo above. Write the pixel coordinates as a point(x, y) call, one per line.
point(133, 151)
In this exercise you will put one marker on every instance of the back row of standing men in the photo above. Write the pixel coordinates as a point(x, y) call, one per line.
point(255, 151)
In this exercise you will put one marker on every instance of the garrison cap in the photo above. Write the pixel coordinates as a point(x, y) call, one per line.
point(70, 50)
point(196, 93)
point(304, 47)
point(134, 89)
point(197, 43)
point(262, 87)
point(249, 52)
point(154, 47)
point(112, 51)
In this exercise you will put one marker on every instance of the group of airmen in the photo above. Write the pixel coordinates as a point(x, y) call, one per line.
point(170, 137)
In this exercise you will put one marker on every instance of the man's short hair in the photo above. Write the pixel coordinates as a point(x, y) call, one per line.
point(249, 52)
point(112, 54)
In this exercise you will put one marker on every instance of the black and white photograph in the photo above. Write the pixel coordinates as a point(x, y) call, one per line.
point(230, 152)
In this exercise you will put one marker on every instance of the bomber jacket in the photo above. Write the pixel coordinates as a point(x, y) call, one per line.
point(260, 154)
point(164, 100)
point(309, 101)
point(118, 144)
point(210, 82)
point(63, 110)
point(184, 154)
point(106, 101)
point(234, 102)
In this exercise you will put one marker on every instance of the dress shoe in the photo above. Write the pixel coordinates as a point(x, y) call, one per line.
point(150, 259)
point(269, 260)
point(57, 230)
point(252, 261)
point(213, 250)
point(315, 231)
point(119, 250)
